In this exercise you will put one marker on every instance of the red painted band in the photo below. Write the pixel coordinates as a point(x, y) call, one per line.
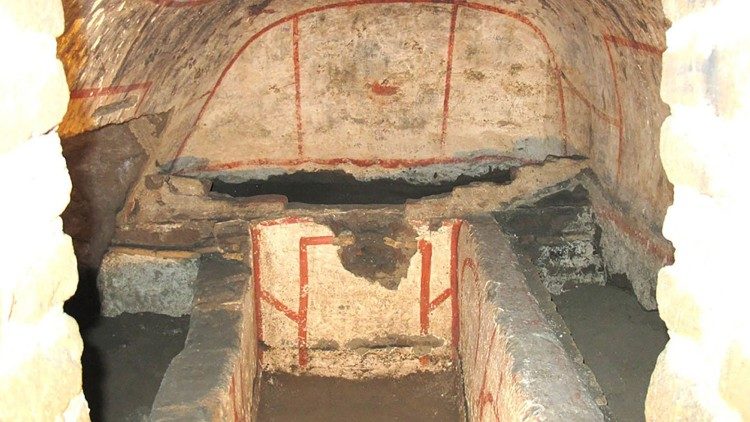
point(425, 249)
point(268, 297)
point(442, 297)
point(297, 86)
point(304, 242)
point(477, 6)
point(83, 93)
point(448, 73)
point(255, 237)
point(455, 315)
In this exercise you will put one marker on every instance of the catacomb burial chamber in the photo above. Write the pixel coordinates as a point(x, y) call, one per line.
point(376, 210)
point(395, 190)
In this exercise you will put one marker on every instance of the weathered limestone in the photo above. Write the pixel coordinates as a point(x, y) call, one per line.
point(514, 366)
point(134, 281)
point(703, 373)
point(40, 347)
point(212, 379)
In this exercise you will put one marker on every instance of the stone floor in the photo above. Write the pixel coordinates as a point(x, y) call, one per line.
point(619, 341)
point(415, 397)
point(124, 360)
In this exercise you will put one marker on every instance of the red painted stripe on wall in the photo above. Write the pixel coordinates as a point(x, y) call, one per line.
point(425, 249)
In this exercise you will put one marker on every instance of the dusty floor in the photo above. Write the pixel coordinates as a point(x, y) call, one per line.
point(124, 360)
point(619, 341)
point(415, 397)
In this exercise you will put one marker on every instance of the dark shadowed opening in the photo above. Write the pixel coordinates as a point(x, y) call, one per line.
point(339, 187)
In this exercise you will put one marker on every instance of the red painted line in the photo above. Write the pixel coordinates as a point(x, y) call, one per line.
point(425, 249)
point(304, 294)
point(598, 112)
point(448, 73)
point(255, 237)
point(269, 27)
point(620, 121)
point(563, 112)
point(557, 70)
point(440, 299)
point(644, 239)
point(609, 38)
point(472, 5)
point(268, 297)
point(648, 48)
point(484, 395)
point(286, 220)
point(180, 3)
point(110, 90)
point(365, 162)
point(297, 85)
point(83, 93)
point(455, 315)
point(468, 262)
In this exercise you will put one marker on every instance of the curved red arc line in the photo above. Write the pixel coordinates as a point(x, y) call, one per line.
point(478, 6)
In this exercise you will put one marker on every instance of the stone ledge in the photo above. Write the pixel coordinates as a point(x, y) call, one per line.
point(547, 385)
point(212, 378)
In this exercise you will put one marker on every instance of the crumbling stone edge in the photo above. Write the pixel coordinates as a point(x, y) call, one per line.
point(213, 378)
point(546, 382)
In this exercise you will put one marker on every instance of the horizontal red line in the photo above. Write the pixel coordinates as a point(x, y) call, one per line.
point(279, 306)
point(317, 240)
point(286, 220)
point(110, 90)
point(440, 299)
point(648, 241)
point(634, 44)
point(177, 3)
point(359, 162)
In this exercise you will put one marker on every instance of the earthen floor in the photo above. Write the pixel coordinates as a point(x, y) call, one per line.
point(416, 397)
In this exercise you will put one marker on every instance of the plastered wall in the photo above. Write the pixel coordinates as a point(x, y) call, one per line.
point(319, 312)
point(40, 346)
point(412, 88)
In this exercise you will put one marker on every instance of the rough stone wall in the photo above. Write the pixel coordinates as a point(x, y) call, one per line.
point(40, 347)
point(704, 372)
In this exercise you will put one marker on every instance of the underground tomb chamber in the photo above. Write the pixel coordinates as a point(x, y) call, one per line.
point(262, 158)
point(433, 317)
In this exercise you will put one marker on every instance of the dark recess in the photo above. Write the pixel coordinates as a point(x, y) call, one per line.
point(339, 187)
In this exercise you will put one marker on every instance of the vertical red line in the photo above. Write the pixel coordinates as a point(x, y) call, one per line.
point(484, 396)
point(303, 293)
point(564, 114)
point(303, 299)
point(297, 87)
point(448, 73)
point(255, 236)
point(620, 122)
point(425, 249)
point(455, 327)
